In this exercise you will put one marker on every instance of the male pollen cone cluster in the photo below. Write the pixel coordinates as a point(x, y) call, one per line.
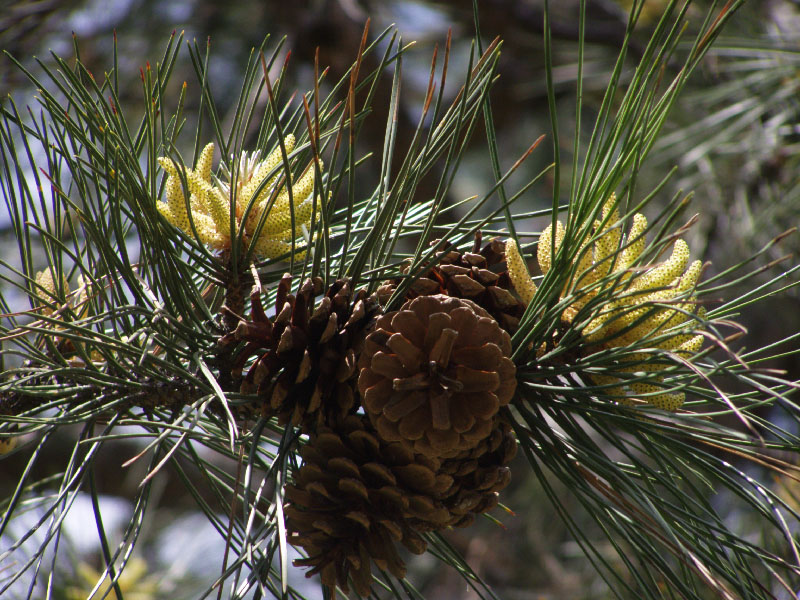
point(255, 185)
point(652, 307)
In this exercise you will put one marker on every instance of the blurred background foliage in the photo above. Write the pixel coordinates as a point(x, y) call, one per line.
point(734, 141)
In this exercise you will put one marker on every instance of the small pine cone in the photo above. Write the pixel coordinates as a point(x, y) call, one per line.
point(480, 276)
point(355, 498)
point(305, 358)
point(435, 373)
point(478, 475)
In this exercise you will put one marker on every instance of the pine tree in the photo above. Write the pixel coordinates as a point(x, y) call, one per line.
point(260, 323)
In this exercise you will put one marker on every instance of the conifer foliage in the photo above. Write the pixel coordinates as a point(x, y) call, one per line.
point(364, 355)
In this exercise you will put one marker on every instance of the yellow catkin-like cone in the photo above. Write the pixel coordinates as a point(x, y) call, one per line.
point(206, 229)
point(86, 289)
point(273, 248)
point(585, 275)
point(196, 184)
point(264, 169)
point(208, 233)
point(204, 163)
point(662, 320)
point(302, 216)
point(684, 344)
point(51, 295)
point(518, 272)
point(635, 243)
point(660, 399)
point(664, 274)
point(617, 391)
point(648, 305)
point(216, 207)
point(219, 209)
point(280, 216)
point(606, 248)
point(174, 210)
point(543, 249)
point(584, 279)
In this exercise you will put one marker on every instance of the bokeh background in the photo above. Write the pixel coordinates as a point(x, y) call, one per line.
point(733, 140)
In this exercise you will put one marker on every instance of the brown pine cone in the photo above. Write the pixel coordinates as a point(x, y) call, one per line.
point(480, 276)
point(305, 357)
point(355, 498)
point(478, 475)
point(435, 373)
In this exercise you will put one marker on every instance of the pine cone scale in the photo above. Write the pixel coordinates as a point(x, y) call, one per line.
point(409, 355)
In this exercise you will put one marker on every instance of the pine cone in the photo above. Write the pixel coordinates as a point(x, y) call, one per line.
point(435, 373)
point(355, 498)
point(480, 276)
point(478, 475)
point(305, 367)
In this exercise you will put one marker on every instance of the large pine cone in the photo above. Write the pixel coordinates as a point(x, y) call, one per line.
point(435, 373)
point(480, 275)
point(305, 367)
point(355, 498)
point(478, 475)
